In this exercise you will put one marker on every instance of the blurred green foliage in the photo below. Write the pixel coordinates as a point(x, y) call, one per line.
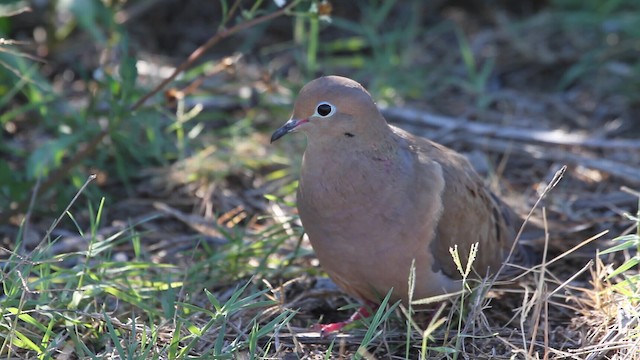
point(63, 129)
point(379, 40)
point(607, 34)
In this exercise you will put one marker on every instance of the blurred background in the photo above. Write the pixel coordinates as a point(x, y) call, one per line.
point(190, 202)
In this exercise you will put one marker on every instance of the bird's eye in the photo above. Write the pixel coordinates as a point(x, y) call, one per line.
point(325, 109)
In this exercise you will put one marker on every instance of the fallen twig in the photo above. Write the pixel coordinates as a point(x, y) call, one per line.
point(628, 173)
point(553, 137)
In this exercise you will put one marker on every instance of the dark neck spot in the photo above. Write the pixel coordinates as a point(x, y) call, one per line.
point(348, 134)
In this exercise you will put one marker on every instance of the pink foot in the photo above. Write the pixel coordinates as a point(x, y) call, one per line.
point(326, 329)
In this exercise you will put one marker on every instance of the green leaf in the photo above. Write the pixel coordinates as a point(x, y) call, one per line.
point(128, 70)
point(87, 14)
point(49, 156)
point(626, 266)
point(630, 241)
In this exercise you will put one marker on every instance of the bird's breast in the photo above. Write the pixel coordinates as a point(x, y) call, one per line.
point(367, 215)
point(356, 205)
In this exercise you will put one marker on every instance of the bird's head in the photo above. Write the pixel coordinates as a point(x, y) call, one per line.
point(334, 107)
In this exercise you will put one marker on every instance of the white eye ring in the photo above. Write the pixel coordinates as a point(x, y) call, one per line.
point(321, 110)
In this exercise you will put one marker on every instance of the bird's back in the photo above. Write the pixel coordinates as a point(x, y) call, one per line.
point(470, 212)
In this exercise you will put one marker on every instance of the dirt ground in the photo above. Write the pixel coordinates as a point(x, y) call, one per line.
point(552, 96)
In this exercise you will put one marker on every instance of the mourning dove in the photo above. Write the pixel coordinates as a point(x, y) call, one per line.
point(374, 198)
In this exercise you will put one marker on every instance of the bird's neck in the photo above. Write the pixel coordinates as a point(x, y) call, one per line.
point(377, 139)
point(348, 156)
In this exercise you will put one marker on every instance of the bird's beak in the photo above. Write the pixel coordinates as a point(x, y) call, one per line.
point(288, 127)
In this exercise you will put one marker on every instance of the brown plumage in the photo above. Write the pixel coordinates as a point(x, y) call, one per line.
point(373, 198)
